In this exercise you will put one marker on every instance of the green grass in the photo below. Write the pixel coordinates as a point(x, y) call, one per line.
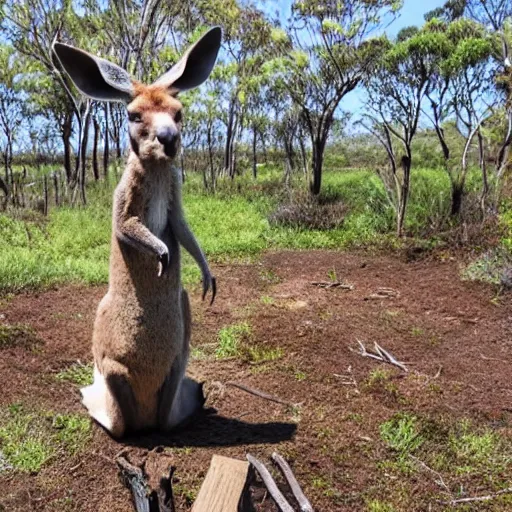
point(467, 458)
point(230, 340)
point(72, 244)
point(401, 434)
point(29, 439)
point(78, 373)
point(380, 506)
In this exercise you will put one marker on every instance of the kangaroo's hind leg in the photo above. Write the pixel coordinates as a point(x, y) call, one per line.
point(110, 399)
point(180, 397)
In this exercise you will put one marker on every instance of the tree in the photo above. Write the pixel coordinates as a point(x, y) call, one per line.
point(396, 86)
point(12, 110)
point(326, 53)
point(460, 82)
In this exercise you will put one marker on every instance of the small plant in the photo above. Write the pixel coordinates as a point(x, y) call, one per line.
point(18, 335)
point(401, 434)
point(472, 449)
point(332, 275)
point(267, 300)
point(493, 267)
point(230, 340)
point(197, 353)
point(380, 506)
point(78, 373)
point(378, 377)
point(259, 354)
point(269, 276)
point(417, 331)
point(300, 375)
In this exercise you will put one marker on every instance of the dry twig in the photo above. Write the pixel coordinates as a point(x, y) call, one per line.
point(439, 480)
point(381, 355)
point(333, 284)
point(384, 293)
point(276, 494)
point(477, 498)
point(304, 504)
point(261, 394)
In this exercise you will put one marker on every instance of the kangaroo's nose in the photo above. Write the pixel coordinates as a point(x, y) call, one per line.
point(166, 135)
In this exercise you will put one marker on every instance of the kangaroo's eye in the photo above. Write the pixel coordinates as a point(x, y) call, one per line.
point(178, 117)
point(134, 117)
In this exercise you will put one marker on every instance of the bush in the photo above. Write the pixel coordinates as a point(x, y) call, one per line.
point(309, 213)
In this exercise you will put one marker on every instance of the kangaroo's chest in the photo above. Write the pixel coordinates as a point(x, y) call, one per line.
point(157, 210)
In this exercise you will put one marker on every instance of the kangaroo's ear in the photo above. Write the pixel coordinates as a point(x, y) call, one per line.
point(95, 77)
point(196, 65)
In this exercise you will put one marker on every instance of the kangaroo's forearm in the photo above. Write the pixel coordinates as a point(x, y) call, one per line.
point(138, 236)
point(186, 238)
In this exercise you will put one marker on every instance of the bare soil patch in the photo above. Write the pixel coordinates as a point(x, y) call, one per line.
point(455, 338)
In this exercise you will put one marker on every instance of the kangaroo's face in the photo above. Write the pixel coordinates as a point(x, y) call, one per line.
point(154, 123)
point(154, 112)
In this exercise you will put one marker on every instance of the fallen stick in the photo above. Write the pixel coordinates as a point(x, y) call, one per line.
point(477, 498)
point(145, 500)
point(135, 480)
point(259, 393)
point(269, 482)
point(335, 284)
point(304, 504)
point(381, 355)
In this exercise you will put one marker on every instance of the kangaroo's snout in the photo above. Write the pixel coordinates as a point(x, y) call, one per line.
point(166, 135)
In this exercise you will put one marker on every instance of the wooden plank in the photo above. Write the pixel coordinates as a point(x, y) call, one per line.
point(226, 487)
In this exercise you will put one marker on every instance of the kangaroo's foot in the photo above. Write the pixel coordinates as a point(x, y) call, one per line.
point(189, 400)
point(110, 402)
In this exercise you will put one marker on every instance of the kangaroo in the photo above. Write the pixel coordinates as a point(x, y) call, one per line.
point(142, 328)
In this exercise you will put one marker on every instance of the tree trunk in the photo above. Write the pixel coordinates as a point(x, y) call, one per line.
point(66, 142)
point(106, 147)
point(5, 189)
point(83, 156)
point(485, 178)
point(254, 157)
point(303, 153)
point(264, 148)
point(210, 155)
point(404, 194)
point(95, 167)
point(228, 151)
point(457, 195)
point(318, 162)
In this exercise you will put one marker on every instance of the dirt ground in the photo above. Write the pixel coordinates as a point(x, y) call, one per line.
point(455, 338)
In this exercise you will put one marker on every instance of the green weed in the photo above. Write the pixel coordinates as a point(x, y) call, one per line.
point(230, 340)
point(78, 373)
point(402, 434)
point(73, 431)
point(378, 377)
point(261, 354)
point(380, 506)
point(18, 335)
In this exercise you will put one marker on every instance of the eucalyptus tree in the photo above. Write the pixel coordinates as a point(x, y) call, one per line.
point(496, 16)
point(326, 53)
point(396, 87)
point(246, 33)
point(12, 109)
point(461, 82)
